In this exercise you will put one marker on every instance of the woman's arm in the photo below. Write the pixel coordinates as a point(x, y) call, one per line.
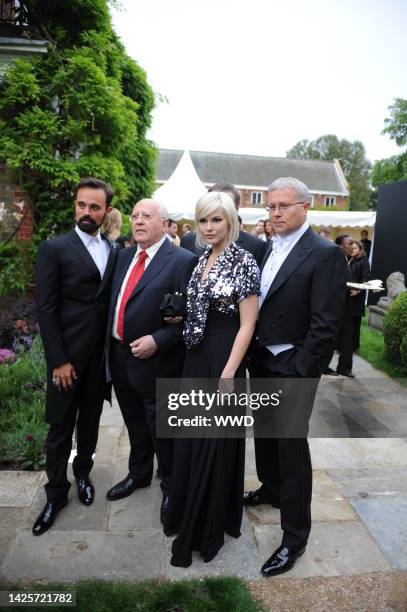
point(248, 310)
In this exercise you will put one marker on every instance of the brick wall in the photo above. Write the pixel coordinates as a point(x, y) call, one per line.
point(14, 215)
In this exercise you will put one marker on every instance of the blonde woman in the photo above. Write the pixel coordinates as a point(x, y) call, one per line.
point(206, 492)
point(113, 225)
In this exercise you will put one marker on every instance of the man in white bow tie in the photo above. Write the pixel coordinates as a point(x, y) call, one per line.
point(303, 286)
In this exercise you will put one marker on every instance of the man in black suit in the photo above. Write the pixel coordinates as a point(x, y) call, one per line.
point(367, 244)
point(301, 304)
point(142, 345)
point(245, 241)
point(73, 278)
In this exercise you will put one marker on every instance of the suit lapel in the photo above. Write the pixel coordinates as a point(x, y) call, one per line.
point(125, 259)
point(266, 254)
point(297, 255)
point(160, 259)
point(82, 252)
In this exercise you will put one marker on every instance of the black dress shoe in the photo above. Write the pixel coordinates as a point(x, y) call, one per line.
point(163, 509)
point(282, 560)
point(349, 374)
point(330, 372)
point(125, 487)
point(47, 517)
point(86, 491)
point(255, 498)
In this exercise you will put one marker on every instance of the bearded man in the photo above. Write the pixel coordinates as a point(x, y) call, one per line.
point(73, 279)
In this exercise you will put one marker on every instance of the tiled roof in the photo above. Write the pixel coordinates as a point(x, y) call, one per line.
point(255, 170)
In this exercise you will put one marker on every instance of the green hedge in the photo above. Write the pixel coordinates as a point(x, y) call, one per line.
point(395, 332)
point(22, 396)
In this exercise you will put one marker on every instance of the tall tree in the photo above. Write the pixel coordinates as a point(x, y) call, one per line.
point(393, 168)
point(84, 108)
point(352, 157)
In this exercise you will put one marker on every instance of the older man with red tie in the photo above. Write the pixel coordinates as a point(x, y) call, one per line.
point(142, 346)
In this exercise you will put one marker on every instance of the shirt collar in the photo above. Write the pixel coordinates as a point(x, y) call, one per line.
point(285, 241)
point(151, 250)
point(88, 238)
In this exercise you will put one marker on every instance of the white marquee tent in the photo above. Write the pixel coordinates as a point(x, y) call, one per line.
point(182, 190)
point(319, 218)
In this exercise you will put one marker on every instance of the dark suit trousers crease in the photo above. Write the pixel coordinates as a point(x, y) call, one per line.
point(85, 409)
point(139, 414)
point(284, 464)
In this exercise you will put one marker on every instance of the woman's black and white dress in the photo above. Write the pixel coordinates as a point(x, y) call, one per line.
point(206, 493)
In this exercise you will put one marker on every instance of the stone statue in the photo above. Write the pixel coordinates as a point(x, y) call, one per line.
point(396, 284)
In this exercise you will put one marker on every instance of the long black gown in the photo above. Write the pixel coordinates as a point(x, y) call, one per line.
point(206, 492)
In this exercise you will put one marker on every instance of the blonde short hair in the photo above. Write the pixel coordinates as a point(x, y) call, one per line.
point(208, 204)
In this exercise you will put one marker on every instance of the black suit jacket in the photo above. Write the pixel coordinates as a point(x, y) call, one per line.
point(359, 272)
point(72, 307)
point(245, 241)
point(305, 303)
point(169, 271)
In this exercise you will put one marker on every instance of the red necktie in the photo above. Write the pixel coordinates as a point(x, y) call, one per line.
point(132, 281)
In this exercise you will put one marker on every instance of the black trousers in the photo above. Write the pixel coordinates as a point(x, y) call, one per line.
point(283, 464)
point(345, 341)
point(86, 408)
point(139, 414)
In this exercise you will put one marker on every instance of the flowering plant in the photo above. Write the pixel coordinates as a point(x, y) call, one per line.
point(7, 356)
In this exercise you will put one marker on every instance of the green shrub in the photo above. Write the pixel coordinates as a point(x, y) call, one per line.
point(22, 396)
point(395, 332)
point(17, 267)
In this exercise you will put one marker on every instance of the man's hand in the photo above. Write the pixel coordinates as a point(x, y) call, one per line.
point(144, 347)
point(354, 292)
point(63, 377)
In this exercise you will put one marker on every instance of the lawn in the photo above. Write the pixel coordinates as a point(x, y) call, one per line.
point(205, 595)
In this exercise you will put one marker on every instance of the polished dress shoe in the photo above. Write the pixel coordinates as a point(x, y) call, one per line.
point(163, 509)
point(348, 374)
point(255, 498)
point(330, 372)
point(86, 491)
point(125, 487)
point(282, 560)
point(47, 517)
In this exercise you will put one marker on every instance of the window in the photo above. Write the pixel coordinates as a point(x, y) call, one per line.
point(311, 201)
point(256, 197)
point(330, 201)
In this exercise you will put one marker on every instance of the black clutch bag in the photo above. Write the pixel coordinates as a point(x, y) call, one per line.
point(173, 305)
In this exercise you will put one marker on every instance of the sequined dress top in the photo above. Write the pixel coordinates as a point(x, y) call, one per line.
point(233, 277)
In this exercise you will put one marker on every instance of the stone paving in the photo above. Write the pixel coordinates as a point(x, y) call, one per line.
point(359, 513)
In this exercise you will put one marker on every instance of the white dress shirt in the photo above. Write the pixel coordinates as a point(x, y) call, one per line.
point(151, 251)
point(98, 248)
point(282, 246)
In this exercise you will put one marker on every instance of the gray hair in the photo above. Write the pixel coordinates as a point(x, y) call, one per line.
point(289, 182)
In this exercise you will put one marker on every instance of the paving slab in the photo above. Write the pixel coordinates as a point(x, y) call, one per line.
point(238, 557)
point(60, 555)
point(140, 511)
point(385, 517)
point(107, 446)
point(17, 489)
point(345, 453)
point(334, 549)
point(328, 504)
point(76, 516)
point(10, 522)
point(111, 415)
point(371, 482)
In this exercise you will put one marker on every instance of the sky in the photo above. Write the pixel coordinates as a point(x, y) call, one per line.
point(256, 76)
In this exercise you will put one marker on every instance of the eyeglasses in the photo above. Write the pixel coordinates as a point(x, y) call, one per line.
point(283, 207)
point(142, 216)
